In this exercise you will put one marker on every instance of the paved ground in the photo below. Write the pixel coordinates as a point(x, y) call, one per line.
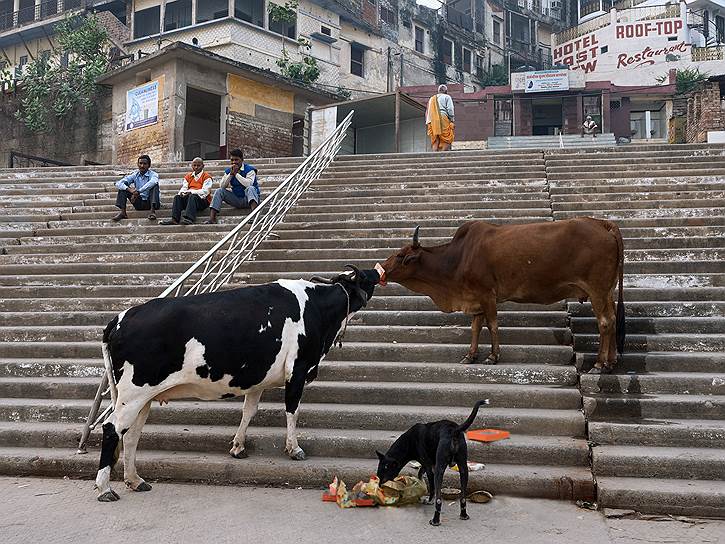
point(48, 511)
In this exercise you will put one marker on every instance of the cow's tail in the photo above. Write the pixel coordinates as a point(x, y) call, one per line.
point(466, 424)
point(621, 330)
point(107, 360)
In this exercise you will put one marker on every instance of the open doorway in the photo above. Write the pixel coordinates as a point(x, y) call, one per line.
point(547, 116)
point(202, 125)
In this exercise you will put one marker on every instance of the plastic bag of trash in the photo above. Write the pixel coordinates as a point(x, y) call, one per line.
point(403, 490)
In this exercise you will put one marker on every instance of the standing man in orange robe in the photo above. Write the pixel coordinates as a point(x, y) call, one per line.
point(439, 117)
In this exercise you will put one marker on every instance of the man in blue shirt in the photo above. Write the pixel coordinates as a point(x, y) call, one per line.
point(238, 187)
point(140, 188)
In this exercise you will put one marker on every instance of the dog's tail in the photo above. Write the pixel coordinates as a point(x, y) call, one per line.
point(463, 426)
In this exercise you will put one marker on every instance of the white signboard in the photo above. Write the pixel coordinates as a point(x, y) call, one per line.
point(546, 81)
point(142, 106)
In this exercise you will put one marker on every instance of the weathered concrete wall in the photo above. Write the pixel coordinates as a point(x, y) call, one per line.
point(704, 112)
point(156, 140)
point(260, 118)
point(82, 137)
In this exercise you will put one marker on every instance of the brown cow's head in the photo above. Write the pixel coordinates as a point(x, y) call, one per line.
point(403, 264)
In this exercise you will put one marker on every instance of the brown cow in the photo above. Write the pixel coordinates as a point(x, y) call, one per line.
point(538, 263)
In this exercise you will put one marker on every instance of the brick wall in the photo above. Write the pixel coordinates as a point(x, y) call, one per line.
point(154, 140)
point(258, 138)
point(74, 140)
point(704, 112)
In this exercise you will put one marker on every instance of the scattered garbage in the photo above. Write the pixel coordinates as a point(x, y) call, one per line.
point(401, 491)
point(587, 505)
point(472, 467)
point(487, 435)
point(480, 497)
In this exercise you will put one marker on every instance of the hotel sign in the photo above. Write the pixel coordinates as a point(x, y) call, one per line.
point(546, 81)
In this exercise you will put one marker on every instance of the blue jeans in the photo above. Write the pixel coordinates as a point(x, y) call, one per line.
point(223, 195)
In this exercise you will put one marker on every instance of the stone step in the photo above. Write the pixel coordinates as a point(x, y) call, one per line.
point(610, 406)
point(680, 383)
point(355, 371)
point(58, 318)
point(638, 274)
point(657, 325)
point(351, 351)
point(657, 342)
point(554, 163)
point(659, 462)
point(563, 192)
point(567, 483)
point(700, 171)
point(676, 361)
point(402, 333)
point(518, 421)
point(585, 180)
point(648, 196)
point(670, 309)
point(707, 433)
point(340, 392)
point(702, 498)
point(646, 213)
point(684, 205)
point(270, 442)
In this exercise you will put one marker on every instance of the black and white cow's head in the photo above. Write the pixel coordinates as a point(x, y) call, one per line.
point(359, 285)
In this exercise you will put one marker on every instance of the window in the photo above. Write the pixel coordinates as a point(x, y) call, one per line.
point(706, 24)
point(209, 10)
point(326, 30)
point(357, 55)
point(48, 8)
point(720, 28)
point(146, 22)
point(419, 40)
point(496, 32)
point(251, 11)
point(604, 49)
point(447, 52)
point(387, 15)
point(479, 66)
point(177, 15)
point(283, 28)
point(466, 60)
point(26, 11)
point(23, 60)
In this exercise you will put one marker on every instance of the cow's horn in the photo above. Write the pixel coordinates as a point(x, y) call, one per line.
point(318, 279)
point(416, 243)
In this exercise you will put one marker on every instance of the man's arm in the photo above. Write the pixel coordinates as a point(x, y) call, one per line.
point(184, 187)
point(123, 183)
point(450, 109)
point(224, 183)
point(153, 180)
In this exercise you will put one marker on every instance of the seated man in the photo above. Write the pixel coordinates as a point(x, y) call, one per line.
point(194, 195)
point(238, 187)
point(141, 188)
point(589, 127)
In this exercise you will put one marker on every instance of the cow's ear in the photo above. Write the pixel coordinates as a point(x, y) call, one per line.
point(412, 258)
point(381, 456)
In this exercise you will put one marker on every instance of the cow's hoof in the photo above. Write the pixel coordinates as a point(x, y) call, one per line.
point(241, 454)
point(108, 496)
point(469, 359)
point(434, 523)
point(297, 454)
point(464, 517)
point(143, 486)
point(491, 360)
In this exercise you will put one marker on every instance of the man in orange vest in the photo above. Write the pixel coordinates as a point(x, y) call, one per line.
point(194, 195)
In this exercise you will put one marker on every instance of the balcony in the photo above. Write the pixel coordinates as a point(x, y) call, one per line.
point(44, 10)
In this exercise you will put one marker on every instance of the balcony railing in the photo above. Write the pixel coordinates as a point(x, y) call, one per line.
point(38, 12)
point(700, 54)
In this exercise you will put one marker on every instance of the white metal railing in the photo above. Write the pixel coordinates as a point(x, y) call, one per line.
point(218, 265)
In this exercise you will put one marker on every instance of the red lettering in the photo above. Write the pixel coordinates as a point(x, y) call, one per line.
point(568, 60)
point(589, 66)
point(594, 40)
point(557, 53)
point(593, 52)
point(678, 25)
point(581, 56)
point(568, 49)
point(620, 32)
point(621, 60)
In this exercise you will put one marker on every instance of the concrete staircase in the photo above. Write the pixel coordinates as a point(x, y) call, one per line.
point(658, 425)
point(551, 142)
point(67, 269)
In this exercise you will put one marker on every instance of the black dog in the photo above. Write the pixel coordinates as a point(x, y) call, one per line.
point(435, 446)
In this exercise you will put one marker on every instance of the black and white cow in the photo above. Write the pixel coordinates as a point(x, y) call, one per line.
point(222, 345)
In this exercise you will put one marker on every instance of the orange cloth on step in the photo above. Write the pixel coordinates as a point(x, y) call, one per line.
point(439, 127)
